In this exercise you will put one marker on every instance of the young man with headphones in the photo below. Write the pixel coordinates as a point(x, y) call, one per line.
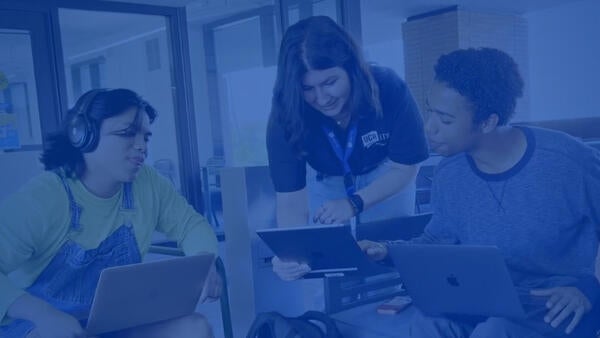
point(96, 206)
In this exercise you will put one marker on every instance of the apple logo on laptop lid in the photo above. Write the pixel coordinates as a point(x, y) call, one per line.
point(452, 280)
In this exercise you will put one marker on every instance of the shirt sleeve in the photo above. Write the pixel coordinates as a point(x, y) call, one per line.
point(288, 172)
point(180, 222)
point(590, 285)
point(31, 220)
point(441, 228)
point(592, 187)
point(15, 248)
point(407, 143)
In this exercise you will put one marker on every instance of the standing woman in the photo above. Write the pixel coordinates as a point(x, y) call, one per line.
point(356, 125)
point(96, 206)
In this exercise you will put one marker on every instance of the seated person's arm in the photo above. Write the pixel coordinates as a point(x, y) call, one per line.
point(439, 230)
point(180, 222)
point(192, 232)
point(591, 287)
point(26, 226)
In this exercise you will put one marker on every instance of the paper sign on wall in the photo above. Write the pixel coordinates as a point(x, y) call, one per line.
point(9, 133)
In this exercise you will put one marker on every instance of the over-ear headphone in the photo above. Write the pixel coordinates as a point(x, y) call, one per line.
point(83, 133)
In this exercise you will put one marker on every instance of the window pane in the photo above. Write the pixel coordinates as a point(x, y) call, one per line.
point(245, 86)
point(382, 35)
point(239, 56)
point(325, 7)
point(19, 115)
point(302, 9)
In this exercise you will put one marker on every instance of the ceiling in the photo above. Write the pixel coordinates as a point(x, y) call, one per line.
point(406, 8)
point(79, 26)
point(403, 8)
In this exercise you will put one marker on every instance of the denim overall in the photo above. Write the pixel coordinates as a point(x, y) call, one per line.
point(70, 279)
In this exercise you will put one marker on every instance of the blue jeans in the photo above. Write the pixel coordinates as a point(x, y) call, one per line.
point(423, 326)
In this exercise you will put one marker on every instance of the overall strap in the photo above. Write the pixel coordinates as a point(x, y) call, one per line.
point(74, 208)
point(128, 202)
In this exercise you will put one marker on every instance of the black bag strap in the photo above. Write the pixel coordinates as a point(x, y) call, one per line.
point(265, 326)
point(303, 328)
point(263, 321)
point(332, 330)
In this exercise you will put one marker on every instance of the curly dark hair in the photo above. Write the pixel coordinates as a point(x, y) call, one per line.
point(487, 77)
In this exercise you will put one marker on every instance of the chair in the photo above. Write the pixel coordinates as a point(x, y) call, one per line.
point(170, 249)
point(423, 188)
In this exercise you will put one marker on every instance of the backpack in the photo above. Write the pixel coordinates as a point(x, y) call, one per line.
point(275, 325)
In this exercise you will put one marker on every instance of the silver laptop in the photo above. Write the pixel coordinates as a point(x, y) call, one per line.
point(457, 279)
point(132, 295)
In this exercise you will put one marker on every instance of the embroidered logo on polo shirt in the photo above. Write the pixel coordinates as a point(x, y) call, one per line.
point(374, 138)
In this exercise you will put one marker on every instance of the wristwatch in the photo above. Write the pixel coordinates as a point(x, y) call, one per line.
point(357, 203)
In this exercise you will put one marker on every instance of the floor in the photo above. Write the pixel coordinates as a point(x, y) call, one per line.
point(364, 322)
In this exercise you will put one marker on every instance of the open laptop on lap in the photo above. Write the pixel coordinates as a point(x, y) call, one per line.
point(457, 279)
point(131, 295)
point(330, 250)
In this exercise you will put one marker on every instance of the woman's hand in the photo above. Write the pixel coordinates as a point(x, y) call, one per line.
point(564, 302)
point(212, 287)
point(375, 250)
point(289, 271)
point(334, 211)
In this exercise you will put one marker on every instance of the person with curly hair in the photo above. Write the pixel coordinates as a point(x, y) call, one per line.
point(532, 192)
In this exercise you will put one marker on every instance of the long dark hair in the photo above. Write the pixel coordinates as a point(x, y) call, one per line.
point(317, 43)
point(59, 152)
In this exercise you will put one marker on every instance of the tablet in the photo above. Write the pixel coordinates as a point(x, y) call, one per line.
point(330, 250)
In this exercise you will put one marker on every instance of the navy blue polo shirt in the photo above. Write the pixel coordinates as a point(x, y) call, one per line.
point(397, 135)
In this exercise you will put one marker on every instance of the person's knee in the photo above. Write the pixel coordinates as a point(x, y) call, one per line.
point(500, 328)
point(422, 325)
point(194, 325)
point(491, 328)
point(33, 334)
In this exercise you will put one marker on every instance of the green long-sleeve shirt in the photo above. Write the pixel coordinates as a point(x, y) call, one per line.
point(35, 223)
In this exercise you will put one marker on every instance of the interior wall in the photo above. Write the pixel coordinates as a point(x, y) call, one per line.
point(564, 66)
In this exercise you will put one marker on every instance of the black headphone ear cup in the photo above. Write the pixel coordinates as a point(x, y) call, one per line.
point(78, 132)
point(92, 137)
point(83, 133)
